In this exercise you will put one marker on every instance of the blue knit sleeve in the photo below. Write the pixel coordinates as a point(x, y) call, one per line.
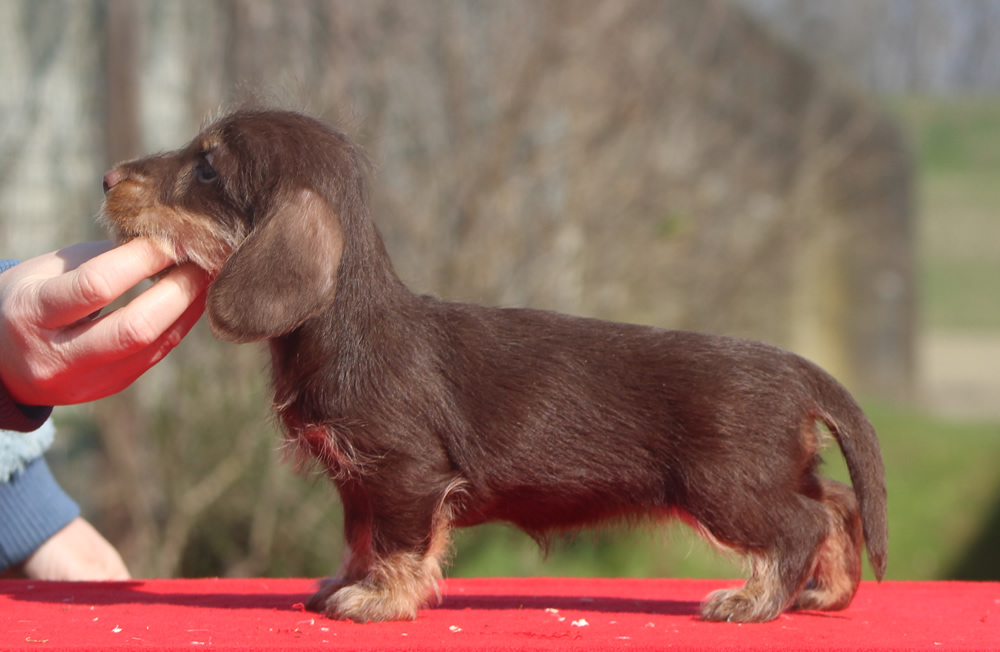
point(13, 416)
point(32, 505)
point(32, 508)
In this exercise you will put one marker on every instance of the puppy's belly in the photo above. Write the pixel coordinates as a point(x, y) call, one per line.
point(537, 509)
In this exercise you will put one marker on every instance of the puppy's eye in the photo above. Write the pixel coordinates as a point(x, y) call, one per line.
point(205, 174)
point(204, 171)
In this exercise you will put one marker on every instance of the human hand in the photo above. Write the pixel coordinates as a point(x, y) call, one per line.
point(53, 353)
point(75, 553)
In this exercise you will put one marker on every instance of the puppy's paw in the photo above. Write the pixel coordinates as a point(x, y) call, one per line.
point(738, 606)
point(327, 587)
point(363, 603)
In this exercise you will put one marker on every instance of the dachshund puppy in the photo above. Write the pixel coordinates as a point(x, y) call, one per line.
point(430, 414)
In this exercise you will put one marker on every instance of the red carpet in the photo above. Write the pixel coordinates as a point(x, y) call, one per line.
point(485, 614)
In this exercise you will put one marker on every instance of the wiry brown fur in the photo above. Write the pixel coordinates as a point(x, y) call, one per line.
point(431, 414)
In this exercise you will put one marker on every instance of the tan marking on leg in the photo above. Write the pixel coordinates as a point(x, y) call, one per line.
point(838, 564)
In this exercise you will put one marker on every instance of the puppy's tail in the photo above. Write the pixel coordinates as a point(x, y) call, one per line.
point(859, 444)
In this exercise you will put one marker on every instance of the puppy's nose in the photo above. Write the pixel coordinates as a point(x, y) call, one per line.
point(111, 179)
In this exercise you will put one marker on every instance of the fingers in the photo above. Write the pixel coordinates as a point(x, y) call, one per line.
point(116, 376)
point(147, 317)
point(110, 353)
point(92, 283)
point(55, 356)
point(144, 322)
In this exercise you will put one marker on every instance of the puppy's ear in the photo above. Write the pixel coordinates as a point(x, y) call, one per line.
point(281, 275)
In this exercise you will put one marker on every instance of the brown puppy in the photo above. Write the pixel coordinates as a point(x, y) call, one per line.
point(430, 415)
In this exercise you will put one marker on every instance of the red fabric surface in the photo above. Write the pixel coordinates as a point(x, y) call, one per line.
point(485, 614)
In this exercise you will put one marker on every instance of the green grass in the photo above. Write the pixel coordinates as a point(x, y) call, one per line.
point(942, 483)
point(957, 145)
point(959, 244)
point(667, 550)
point(953, 134)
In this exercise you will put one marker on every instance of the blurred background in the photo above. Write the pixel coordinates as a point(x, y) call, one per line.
point(819, 174)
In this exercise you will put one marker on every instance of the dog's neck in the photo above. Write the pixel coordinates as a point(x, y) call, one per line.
point(327, 364)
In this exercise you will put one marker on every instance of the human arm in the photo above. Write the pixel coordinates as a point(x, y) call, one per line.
point(52, 351)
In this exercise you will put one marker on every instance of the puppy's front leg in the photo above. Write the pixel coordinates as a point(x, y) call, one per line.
point(392, 567)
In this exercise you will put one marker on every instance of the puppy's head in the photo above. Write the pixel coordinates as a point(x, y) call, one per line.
point(256, 199)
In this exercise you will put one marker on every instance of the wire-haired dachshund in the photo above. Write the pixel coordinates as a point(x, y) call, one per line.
point(430, 414)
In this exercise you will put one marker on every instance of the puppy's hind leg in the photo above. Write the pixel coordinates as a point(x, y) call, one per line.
point(838, 564)
point(756, 601)
point(778, 569)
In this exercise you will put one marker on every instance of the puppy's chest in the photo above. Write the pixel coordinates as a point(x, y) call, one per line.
point(332, 446)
